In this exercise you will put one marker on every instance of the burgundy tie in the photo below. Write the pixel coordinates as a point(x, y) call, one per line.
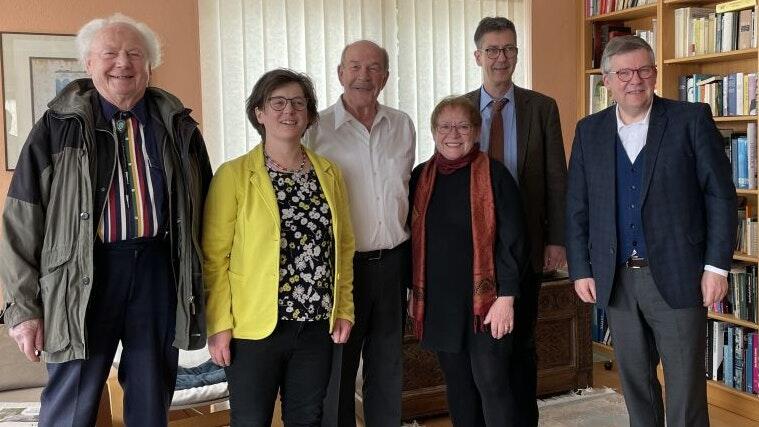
point(495, 151)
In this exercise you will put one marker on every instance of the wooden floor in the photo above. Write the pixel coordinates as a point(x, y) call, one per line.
point(603, 378)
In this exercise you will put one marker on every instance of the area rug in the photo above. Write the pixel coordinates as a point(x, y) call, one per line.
point(589, 407)
point(24, 414)
point(586, 408)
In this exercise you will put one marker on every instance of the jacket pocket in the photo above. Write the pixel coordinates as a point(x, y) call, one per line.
point(54, 287)
point(55, 257)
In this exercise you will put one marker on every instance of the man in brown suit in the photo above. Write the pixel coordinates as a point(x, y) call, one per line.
point(527, 139)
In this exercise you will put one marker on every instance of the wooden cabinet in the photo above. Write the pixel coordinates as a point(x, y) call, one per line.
point(563, 345)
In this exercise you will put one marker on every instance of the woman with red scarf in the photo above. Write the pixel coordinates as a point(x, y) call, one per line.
point(470, 257)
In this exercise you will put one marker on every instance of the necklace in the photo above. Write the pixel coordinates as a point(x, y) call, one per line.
point(271, 162)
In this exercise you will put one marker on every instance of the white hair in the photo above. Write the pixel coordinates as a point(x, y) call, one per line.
point(86, 36)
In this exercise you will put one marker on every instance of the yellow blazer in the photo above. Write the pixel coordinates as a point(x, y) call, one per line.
point(241, 237)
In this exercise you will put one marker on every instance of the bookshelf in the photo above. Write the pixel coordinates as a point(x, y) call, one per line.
point(659, 16)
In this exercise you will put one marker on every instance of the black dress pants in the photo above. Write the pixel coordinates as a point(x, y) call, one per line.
point(133, 300)
point(294, 360)
point(523, 365)
point(479, 390)
point(378, 297)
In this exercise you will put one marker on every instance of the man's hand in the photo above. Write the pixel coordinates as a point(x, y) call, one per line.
point(218, 347)
point(501, 317)
point(29, 337)
point(341, 331)
point(586, 289)
point(713, 287)
point(554, 257)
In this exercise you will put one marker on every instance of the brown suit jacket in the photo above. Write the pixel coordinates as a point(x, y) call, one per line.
point(541, 168)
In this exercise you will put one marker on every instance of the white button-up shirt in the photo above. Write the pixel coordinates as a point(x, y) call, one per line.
point(376, 166)
point(633, 135)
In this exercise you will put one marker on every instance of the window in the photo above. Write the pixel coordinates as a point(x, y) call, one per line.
point(429, 42)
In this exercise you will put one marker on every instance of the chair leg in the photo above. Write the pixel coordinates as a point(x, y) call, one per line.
point(116, 397)
point(104, 418)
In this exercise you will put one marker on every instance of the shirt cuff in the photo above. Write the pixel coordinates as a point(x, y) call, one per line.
point(714, 269)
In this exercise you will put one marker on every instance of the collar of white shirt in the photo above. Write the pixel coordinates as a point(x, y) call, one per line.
point(644, 121)
point(343, 116)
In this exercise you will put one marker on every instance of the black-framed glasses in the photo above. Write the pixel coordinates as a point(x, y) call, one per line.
point(279, 103)
point(446, 128)
point(509, 51)
point(644, 72)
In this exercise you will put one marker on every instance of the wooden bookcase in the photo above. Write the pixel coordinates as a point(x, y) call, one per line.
point(669, 70)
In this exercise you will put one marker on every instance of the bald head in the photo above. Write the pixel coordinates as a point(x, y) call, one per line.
point(370, 45)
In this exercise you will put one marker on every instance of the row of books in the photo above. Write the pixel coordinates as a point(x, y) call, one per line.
point(740, 300)
point(739, 99)
point(598, 7)
point(599, 97)
point(701, 30)
point(747, 233)
point(599, 331)
point(741, 150)
point(605, 31)
point(732, 356)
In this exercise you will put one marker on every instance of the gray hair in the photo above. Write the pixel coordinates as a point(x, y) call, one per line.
point(87, 33)
point(624, 44)
point(490, 24)
point(383, 51)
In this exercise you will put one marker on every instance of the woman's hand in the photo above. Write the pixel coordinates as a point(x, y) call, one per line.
point(341, 331)
point(501, 317)
point(218, 347)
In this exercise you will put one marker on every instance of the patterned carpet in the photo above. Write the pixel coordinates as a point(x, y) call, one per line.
point(586, 408)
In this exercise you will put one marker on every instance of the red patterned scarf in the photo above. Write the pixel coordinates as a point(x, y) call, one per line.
point(483, 238)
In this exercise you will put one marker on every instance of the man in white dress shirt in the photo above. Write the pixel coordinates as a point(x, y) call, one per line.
point(374, 146)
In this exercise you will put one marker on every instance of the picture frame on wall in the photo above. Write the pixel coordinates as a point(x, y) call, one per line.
point(35, 68)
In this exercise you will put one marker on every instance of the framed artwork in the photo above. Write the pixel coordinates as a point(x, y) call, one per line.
point(36, 67)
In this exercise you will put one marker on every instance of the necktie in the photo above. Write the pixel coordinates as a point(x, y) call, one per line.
point(495, 151)
point(123, 122)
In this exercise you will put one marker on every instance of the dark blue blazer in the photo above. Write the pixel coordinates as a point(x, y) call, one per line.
point(688, 201)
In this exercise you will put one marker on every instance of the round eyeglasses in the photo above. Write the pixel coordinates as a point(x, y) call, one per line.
point(278, 103)
point(462, 128)
point(626, 74)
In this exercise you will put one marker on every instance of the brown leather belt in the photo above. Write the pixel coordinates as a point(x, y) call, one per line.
point(636, 263)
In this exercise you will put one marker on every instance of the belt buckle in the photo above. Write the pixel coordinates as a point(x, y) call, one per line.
point(376, 257)
point(632, 262)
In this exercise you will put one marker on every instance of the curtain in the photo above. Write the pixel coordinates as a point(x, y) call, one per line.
point(430, 43)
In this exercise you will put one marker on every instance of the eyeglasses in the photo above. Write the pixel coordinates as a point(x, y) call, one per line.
point(626, 74)
point(509, 51)
point(278, 103)
point(462, 128)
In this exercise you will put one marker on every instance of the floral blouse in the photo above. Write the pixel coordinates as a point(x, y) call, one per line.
point(306, 246)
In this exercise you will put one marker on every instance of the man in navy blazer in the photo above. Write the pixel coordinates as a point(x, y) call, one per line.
point(651, 221)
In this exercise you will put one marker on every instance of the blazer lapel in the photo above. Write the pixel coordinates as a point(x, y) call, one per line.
point(523, 116)
point(261, 182)
point(657, 122)
point(607, 152)
point(326, 177)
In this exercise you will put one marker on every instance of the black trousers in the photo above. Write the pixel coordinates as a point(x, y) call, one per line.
point(378, 297)
point(133, 299)
point(479, 389)
point(294, 360)
point(523, 365)
point(645, 329)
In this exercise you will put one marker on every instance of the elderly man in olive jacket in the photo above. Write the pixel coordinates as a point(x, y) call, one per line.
point(100, 233)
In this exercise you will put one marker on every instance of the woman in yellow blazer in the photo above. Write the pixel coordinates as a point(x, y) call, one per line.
point(278, 266)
